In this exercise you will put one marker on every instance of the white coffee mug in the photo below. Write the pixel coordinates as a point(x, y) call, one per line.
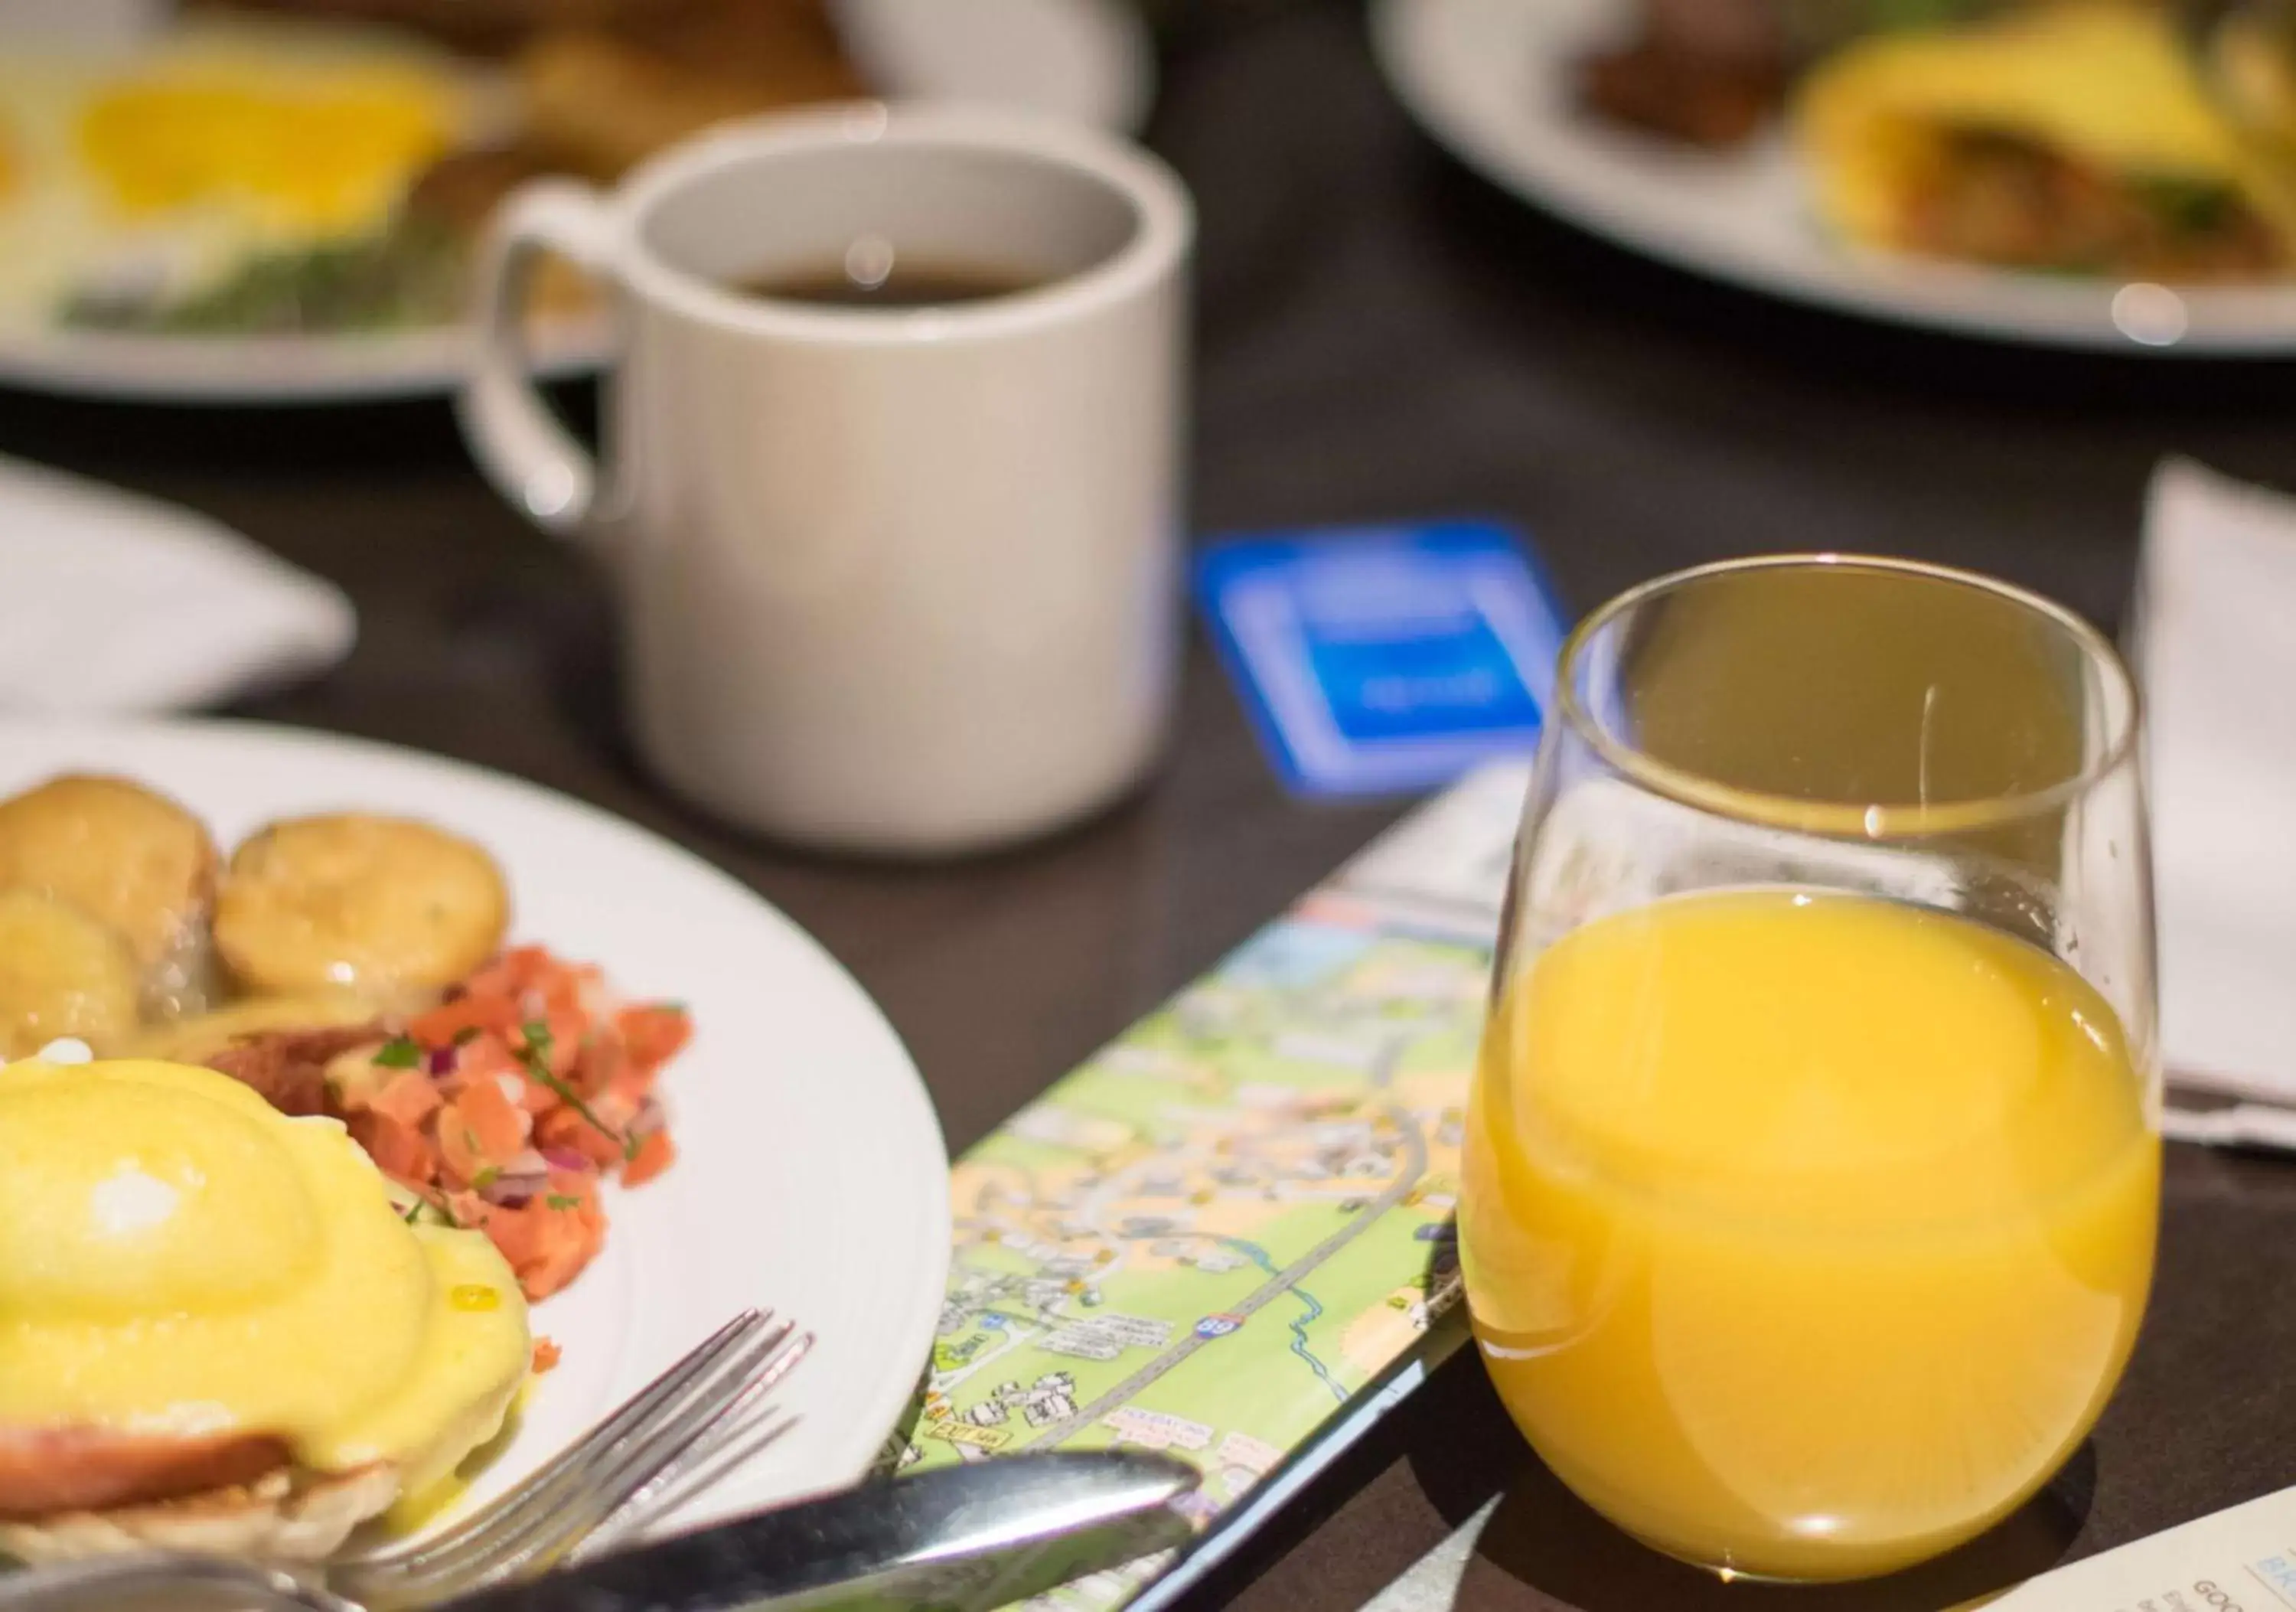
point(891, 579)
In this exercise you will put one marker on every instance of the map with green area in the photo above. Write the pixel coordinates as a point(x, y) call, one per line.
point(1231, 1219)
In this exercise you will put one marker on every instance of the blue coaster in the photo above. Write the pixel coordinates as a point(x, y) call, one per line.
point(1384, 660)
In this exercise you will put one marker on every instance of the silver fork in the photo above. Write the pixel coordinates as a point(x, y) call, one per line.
point(674, 1436)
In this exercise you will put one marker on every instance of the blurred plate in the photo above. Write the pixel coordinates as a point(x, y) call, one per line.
point(1493, 80)
point(810, 1176)
point(1089, 60)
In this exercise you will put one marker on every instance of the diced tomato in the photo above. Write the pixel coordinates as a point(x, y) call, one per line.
point(552, 1236)
point(479, 1132)
point(567, 1028)
point(470, 1011)
point(566, 1128)
point(656, 1153)
point(502, 1126)
point(461, 1163)
point(410, 1097)
point(444, 1134)
point(512, 972)
point(398, 1150)
point(621, 1101)
point(600, 1062)
point(486, 1057)
point(655, 1033)
point(546, 1355)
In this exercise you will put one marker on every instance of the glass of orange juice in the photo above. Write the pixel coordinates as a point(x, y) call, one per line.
point(1813, 1167)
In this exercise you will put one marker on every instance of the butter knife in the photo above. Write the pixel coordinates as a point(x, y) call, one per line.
point(960, 1539)
point(978, 1535)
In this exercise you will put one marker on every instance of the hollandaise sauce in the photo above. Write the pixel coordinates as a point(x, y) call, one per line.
point(178, 1257)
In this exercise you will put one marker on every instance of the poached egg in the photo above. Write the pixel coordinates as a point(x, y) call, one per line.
point(179, 1260)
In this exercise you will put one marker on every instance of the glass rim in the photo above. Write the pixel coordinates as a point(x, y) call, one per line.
point(1873, 820)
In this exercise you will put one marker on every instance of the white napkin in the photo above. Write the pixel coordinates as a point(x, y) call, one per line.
point(114, 604)
point(2216, 653)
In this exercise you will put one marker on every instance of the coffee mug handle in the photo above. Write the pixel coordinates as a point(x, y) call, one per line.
point(532, 460)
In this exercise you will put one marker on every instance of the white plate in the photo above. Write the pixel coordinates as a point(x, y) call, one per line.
point(1492, 79)
point(811, 1175)
point(1089, 60)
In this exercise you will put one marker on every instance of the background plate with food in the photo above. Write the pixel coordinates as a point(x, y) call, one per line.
point(274, 200)
point(2102, 174)
point(600, 1160)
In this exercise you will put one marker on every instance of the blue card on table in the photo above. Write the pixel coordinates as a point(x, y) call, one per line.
point(1384, 659)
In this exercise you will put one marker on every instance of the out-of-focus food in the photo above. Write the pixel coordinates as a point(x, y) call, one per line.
point(2078, 138)
point(382, 906)
point(1714, 73)
point(61, 974)
point(491, 26)
point(1709, 72)
point(2142, 139)
point(154, 186)
point(312, 167)
point(128, 857)
point(600, 103)
point(221, 1332)
point(200, 1036)
point(2251, 61)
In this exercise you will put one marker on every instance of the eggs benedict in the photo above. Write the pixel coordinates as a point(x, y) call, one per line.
point(216, 1330)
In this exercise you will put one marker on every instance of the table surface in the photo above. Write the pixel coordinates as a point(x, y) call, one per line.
point(1380, 336)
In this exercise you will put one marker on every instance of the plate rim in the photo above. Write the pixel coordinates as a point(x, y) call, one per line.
point(255, 371)
point(854, 1447)
point(2029, 311)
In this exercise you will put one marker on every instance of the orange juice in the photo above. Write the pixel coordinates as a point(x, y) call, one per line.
point(1804, 1234)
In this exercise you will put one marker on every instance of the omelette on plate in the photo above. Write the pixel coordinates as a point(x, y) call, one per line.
point(2077, 138)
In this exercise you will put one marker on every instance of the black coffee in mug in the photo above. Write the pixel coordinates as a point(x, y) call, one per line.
point(873, 275)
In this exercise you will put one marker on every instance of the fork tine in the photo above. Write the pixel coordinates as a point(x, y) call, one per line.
point(645, 1403)
point(581, 1494)
point(615, 1478)
point(675, 1480)
point(693, 1478)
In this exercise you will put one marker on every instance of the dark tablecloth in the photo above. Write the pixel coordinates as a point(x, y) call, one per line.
point(1380, 336)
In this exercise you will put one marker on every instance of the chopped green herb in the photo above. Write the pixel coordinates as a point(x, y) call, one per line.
point(485, 1178)
point(536, 1036)
point(399, 1052)
point(560, 1200)
point(466, 1035)
point(426, 1210)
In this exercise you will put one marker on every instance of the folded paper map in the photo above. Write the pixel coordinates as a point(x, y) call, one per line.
point(1228, 1235)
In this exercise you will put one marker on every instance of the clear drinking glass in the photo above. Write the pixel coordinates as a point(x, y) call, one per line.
point(1813, 1169)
